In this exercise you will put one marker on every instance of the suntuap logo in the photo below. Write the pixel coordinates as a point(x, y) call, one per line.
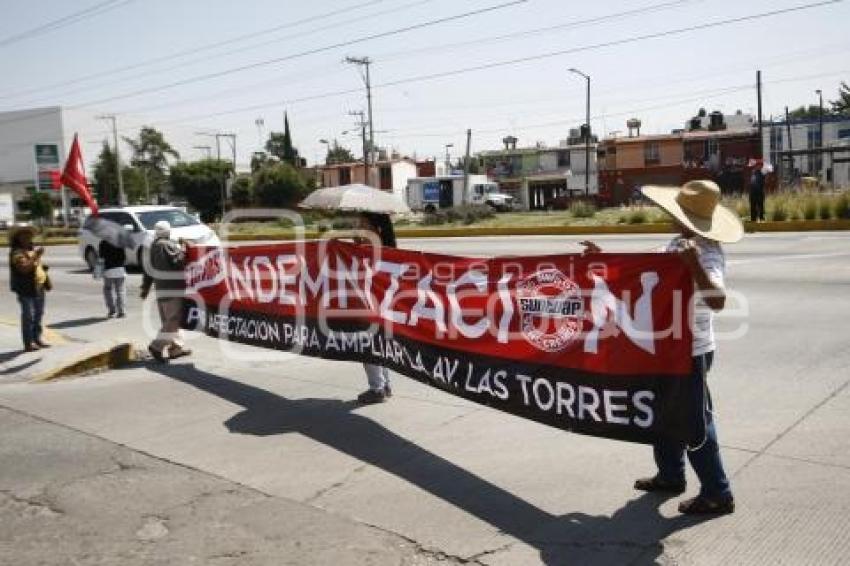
point(551, 309)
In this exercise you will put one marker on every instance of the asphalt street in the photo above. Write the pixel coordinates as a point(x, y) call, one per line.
point(432, 476)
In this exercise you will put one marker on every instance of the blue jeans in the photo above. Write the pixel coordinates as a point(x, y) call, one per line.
point(705, 455)
point(32, 310)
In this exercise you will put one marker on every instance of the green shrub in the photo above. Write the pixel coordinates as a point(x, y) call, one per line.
point(637, 216)
point(810, 208)
point(841, 206)
point(582, 209)
point(434, 218)
point(779, 211)
point(824, 209)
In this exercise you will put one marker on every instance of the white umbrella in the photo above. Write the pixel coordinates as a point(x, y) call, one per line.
point(356, 198)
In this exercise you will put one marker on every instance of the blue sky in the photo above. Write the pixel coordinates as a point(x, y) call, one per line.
point(663, 81)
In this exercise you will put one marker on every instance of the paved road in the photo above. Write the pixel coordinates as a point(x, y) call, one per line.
point(463, 482)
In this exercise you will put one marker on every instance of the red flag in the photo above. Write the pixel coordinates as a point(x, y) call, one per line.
point(74, 176)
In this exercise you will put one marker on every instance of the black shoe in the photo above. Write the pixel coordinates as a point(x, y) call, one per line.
point(656, 484)
point(388, 391)
point(702, 505)
point(122, 315)
point(157, 354)
point(110, 314)
point(372, 396)
point(42, 344)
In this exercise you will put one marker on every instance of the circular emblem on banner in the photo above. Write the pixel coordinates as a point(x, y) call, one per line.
point(552, 309)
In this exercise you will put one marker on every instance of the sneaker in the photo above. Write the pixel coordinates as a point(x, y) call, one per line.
point(31, 348)
point(656, 484)
point(372, 396)
point(122, 315)
point(388, 391)
point(110, 314)
point(42, 344)
point(702, 505)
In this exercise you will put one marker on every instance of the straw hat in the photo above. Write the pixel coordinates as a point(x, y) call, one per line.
point(697, 206)
point(17, 230)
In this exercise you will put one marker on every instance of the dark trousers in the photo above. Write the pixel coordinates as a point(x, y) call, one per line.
point(705, 455)
point(32, 311)
point(756, 205)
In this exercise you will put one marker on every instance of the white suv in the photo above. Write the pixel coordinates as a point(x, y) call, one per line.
point(139, 221)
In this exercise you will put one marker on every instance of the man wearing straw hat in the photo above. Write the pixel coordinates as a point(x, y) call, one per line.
point(703, 224)
point(29, 281)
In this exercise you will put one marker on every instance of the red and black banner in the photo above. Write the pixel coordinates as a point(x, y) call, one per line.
point(595, 344)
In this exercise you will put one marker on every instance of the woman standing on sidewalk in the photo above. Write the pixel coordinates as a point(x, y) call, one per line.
point(29, 281)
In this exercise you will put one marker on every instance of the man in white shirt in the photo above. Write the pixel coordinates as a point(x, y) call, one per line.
point(703, 225)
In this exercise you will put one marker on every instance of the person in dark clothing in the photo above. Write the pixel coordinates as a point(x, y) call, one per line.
point(757, 195)
point(114, 276)
point(164, 271)
point(377, 376)
point(28, 279)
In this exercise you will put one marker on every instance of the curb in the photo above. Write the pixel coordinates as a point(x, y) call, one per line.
point(458, 232)
point(87, 361)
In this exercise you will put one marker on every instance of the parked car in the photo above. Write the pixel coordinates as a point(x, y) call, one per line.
point(139, 221)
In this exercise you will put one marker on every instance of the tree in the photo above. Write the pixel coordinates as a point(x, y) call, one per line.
point(338, 154)
point(279, 185)
point(260, 159)
point(40, 205)
point(105, 178)
point(151, 153)
point(280, 145)
point(812, 112)
point(242, 191)
point(200, 183)
point(842, 105)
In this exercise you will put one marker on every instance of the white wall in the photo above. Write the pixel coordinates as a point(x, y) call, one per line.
point(402, 172)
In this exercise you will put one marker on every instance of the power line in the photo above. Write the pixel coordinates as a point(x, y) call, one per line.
point(535, 31)
point(197, 49)
point(541, 56)
point(64, 21)
point(337, 45)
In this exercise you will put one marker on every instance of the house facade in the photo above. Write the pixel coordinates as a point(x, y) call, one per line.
point(536, 176)
point(796, 149)
point(391, 175)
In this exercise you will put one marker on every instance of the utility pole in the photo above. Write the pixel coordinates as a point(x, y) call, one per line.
point(122, 198)
point(466, 166)
point(366, 63)
point(362, 124)
point(819, 92)
point(586, 136)
point(449, 158)
point(790, 142)
point(760, 152)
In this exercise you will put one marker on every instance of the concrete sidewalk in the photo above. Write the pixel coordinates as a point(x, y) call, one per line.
point(462, 482)
point(68, 497)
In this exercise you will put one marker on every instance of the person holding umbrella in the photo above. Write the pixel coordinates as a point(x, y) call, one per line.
point(374, 208)
point(378, 377)
point(114, 275)
point(30, 282)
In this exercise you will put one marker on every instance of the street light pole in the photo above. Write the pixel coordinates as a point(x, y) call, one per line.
point(819, 92)
point(448, 158)
point(122, 198)
point(586, 136)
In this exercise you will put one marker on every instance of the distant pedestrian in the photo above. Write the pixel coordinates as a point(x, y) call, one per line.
point(29, 280)
point(164, 270)
point(114, 277)
point(703, 224)
point(757, 195)
point(377, 376)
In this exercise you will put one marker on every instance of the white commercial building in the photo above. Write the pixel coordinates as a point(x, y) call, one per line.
point(34, 145)
point(798, 154)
